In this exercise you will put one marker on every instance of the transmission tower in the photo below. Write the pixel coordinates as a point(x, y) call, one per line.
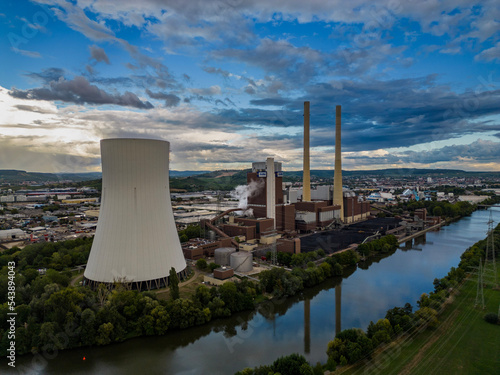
point(490, 266)
point(480, 293)
point(274, 260)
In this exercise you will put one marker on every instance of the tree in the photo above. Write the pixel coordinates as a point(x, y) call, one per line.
point(104, 334)
point(437, 211)
point(201, 264)
point(292, 364)
point(173, 284)
point(213, 266)
point(87, 332)
point(491, 318)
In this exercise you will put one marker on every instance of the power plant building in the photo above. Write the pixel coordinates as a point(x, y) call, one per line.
point(136, 240)
point(268, 201)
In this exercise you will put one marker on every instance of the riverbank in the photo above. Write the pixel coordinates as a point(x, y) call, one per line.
point(464, 343)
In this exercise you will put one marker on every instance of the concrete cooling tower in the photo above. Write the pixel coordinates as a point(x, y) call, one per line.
point(136, 240)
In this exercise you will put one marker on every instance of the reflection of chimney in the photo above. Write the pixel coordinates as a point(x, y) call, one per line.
point(271, 191)
point(306, 180)
point(307, 326)
point(338, 307)
point(338, 198)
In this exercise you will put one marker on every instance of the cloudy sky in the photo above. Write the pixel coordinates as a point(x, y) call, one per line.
point(225, 81)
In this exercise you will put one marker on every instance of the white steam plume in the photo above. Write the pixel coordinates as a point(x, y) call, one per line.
point(243, 192)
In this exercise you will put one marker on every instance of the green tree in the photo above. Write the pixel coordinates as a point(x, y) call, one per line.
point(292, 364)
point(104, 334)
point(87, 332)
point(201, 264)
point(173, 284)
point(212, 266)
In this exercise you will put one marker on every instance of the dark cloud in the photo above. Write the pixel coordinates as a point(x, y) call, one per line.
point(249, 90)
point(98, 54)
point(212, 70)
point(47, 75)
point(171, 100)
point(31, 108)
point(229, 101)
point(80, 91)
point(131, 66)
point(112, 81)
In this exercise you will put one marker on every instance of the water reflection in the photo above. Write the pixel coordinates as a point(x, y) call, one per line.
point(338, 308)
point(307, 326)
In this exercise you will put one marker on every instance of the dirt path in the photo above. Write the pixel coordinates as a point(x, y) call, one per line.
point(75, 279)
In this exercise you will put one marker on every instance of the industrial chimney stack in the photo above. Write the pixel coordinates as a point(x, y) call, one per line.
point(338, 198)
point(306, 180)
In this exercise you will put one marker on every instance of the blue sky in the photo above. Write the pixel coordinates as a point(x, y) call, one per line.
point(225, 81)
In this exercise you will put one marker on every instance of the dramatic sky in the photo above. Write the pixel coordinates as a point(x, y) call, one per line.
point(225, 81)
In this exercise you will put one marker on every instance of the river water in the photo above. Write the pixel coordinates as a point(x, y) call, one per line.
point(303, 324)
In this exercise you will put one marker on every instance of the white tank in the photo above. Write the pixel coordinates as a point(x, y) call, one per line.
point(136, 239)
point(242, 261)
point(222, 255)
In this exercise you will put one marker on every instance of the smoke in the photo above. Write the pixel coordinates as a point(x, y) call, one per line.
point(243, 192)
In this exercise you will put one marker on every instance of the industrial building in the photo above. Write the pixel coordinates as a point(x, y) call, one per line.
point(136, 241)
point(272, 212)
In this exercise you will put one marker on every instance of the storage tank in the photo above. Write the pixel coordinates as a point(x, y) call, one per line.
point(242, 261)
point(222, 255)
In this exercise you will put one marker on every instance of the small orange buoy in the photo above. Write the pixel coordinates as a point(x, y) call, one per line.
point(84, 358)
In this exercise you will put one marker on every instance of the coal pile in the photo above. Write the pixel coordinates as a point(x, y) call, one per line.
point(335, 240)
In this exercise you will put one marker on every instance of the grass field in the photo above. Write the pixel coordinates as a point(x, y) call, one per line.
point(462, 344)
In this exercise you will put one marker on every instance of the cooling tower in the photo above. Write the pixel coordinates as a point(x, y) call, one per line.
point(136, 240)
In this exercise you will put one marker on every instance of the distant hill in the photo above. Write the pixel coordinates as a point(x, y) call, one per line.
point(229, 179)
point(185, 173)
point(16, 176)
point(217, 180)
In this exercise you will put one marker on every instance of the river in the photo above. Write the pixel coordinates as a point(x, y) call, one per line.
point(303, 324)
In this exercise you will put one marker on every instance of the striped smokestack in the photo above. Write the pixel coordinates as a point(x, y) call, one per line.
point(338, 198)
point(306, 180)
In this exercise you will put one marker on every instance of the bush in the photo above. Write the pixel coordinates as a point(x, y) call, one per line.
point(201, 264)
point(491, 318)
point(212, 266)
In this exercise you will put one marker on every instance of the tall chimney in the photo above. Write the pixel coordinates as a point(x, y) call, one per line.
point(270, 191)
point(306, 180)
point(338, 198)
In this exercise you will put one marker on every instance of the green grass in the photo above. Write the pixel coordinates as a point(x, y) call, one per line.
point(462, 344)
